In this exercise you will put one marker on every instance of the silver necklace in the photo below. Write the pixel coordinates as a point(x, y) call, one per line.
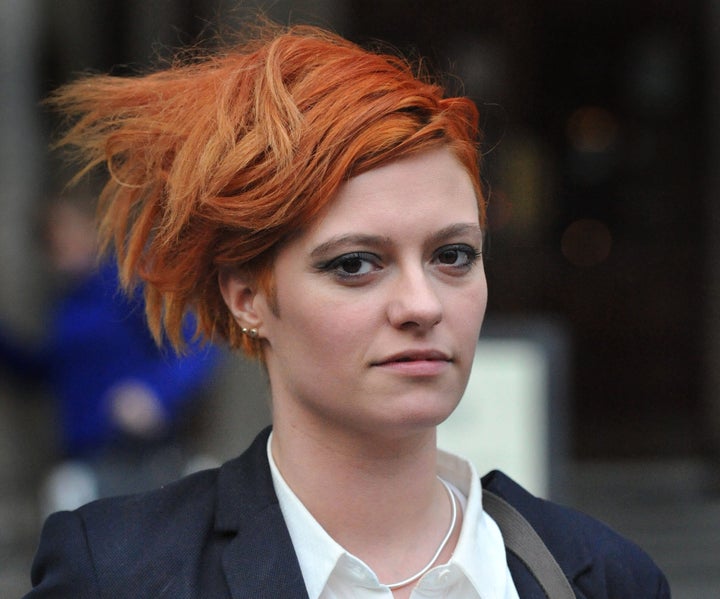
point(453, 521)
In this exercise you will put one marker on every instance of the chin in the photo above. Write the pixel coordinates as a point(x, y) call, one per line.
point(425, 414)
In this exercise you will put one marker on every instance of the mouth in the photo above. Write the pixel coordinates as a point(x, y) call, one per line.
point(414, 356)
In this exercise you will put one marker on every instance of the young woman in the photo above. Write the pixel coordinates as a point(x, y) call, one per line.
point(320, 207)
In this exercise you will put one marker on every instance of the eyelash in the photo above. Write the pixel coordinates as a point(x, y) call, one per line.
point(472, 254)
point(334, 265)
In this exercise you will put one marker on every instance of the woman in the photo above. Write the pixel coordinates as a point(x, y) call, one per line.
point(320, 207)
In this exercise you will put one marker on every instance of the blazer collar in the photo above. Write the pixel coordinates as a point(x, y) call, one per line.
point(260, 560)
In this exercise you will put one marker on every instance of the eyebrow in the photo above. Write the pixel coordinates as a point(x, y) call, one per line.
point(349, 239)
point(457, 230)
point(362, 239)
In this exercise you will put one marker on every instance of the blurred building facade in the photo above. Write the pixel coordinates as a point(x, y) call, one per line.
point(599, 154)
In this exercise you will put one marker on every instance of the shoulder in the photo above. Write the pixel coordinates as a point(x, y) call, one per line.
point(597, 560)
point(165, 543)
point(139, 542)
point(174, 510)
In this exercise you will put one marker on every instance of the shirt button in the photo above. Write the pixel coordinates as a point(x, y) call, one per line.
point(444, 575)
point(357, 570)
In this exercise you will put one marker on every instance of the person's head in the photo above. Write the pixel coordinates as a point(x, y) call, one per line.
point(69, 236)
point(373, 321)
point(216, 163)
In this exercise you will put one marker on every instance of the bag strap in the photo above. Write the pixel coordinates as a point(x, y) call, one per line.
point(522, 540)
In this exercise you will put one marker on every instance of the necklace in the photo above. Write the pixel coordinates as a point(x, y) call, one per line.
point(453, 521)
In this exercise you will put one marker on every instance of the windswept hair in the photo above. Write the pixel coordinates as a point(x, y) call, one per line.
point(214, 161)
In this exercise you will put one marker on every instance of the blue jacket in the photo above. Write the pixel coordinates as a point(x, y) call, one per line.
point(220, 534)
point(97, 337)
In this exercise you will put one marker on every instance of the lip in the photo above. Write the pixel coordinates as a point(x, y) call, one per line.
point(416, 362)
point(415, 355)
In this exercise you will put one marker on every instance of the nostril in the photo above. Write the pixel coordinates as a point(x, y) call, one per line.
point(415, 303)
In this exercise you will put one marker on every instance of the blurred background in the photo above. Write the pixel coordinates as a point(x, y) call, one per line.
point(601, 157)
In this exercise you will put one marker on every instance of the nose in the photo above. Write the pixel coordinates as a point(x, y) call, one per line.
point(415, 303)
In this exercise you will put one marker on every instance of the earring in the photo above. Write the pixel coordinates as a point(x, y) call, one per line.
point(252, 333)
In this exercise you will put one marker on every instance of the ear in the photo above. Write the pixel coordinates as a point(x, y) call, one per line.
point(239, 290)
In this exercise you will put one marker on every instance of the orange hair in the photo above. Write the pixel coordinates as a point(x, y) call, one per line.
point(214, 162)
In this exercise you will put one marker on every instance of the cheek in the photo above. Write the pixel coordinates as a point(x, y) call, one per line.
point(320, 328)
point(321, 350)
point(339, 327)
point(470, 312)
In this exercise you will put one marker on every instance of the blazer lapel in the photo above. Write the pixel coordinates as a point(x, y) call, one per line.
point(257, 565)
point(259, 562)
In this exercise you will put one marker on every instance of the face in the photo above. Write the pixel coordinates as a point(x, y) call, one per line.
point(378, 304)
point(72, 239)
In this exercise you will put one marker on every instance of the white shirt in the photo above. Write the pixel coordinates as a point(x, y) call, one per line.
point(477, 570)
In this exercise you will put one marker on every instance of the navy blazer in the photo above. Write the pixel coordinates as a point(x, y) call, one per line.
point(220, 534)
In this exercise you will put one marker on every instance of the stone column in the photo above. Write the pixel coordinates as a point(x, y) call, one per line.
point(23, 423)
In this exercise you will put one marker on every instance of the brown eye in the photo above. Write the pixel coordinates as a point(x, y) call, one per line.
point(449, 257)
point(459, 256)
point(351, 266)
point(354, 265)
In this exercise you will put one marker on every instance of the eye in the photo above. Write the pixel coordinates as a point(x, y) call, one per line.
point(352, 265)
point(457, 256)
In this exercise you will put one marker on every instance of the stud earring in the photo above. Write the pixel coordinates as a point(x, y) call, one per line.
point(252, 333)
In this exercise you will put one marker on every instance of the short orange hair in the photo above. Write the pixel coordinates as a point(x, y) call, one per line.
point(213, 162)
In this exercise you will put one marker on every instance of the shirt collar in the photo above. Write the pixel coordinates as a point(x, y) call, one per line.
point(479, 554)
point(317, 551)
point(480, 550)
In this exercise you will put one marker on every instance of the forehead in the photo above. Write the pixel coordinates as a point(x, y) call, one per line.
point(429, 189)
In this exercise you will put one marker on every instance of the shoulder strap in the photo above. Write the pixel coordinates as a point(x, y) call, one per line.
point(522, 540)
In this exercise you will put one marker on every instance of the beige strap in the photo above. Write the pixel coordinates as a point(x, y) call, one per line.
point(522, 540)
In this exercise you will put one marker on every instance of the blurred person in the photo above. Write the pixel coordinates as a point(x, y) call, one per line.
point(120, 400)
point(319, 207)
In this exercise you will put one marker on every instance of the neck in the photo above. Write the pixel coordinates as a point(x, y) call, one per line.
point(378, 498)
point(315, 463)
